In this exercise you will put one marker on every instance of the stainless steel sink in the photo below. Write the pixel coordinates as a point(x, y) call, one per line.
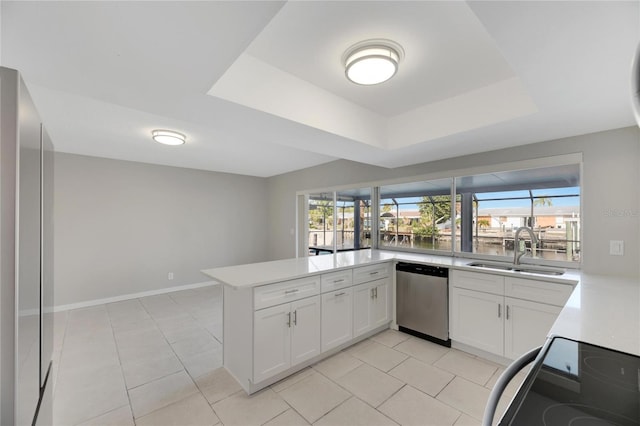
point(492, 265)
point(527, 269)
point(539, 271)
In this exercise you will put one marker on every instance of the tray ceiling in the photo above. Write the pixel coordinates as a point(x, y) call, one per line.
point(259, 87)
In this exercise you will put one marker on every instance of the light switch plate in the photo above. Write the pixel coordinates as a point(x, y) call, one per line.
point(616, 248)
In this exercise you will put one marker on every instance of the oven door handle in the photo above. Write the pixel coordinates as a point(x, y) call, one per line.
point(503, 381)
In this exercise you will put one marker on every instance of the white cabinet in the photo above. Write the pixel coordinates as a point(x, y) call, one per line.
point(371, 297)
point(285, 335)
point(337, 309)
point(305, 329)
point(381, 308)
point(526, 325)
point(476, 319)
point(371, 307)
point(362, 301)
point(505, 316)
point(337, 318)
point(272, 341)
point(273, 330)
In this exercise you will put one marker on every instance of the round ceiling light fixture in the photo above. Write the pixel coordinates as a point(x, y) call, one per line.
point(372, 61)
point(168, 137)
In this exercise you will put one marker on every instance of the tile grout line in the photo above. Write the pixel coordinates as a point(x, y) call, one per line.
point(124, 380)
point(194, 319)
point(199, 389)
point(184, 367)
point(405, 384)
point(64, 336)
point(439, 368)
point(68, 317)
point(281, 413)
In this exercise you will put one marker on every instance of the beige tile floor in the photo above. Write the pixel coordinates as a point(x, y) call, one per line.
point(157, 361)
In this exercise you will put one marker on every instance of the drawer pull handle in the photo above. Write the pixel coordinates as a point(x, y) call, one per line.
point(289, 319)
point(374, 273)
point(338, 281)
point(499, 310)
point(376, 292)
point(295, 317)
point(507, 311)
point(295, 290)
point(340, 294)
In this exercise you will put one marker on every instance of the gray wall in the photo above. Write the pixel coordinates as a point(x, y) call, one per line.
point(121, 227)
point(611, 164)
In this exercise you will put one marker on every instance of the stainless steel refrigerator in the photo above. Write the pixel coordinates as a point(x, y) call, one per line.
point(26, 257)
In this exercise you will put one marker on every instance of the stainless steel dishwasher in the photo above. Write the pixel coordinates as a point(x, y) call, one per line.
point(422, 301)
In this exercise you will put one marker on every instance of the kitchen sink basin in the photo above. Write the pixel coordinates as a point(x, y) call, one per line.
point(539, 271)
point(492, 265)
point(527, 269)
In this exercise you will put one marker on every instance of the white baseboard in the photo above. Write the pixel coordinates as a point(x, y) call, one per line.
point(95, 302)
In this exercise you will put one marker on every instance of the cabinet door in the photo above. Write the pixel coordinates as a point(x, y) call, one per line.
point(477, 319)
point(305, 329)
point(337, 318)
point(28, 273)
point(526, 325)
point(272, 342)
point(362, 303)
point(380, 311)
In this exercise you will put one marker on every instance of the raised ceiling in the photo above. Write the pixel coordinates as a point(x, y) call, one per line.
point(259, 87)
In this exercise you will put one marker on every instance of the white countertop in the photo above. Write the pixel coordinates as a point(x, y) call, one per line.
point(257, 274)
point(604, 311)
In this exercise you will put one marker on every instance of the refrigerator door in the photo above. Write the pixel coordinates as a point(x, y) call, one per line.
point(27, 393)
point(46, 241)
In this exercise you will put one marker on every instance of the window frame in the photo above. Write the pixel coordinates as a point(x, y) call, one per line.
point(374, 186)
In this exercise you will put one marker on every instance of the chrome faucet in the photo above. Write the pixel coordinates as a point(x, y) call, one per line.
point(516, 244)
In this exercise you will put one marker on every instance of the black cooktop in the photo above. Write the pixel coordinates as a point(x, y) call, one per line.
point(578, 384)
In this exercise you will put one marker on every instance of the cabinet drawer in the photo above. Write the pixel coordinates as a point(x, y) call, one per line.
point(478, 281)
point(538, 291)
point(365, 274)
point(286, 291)
point(336, 280)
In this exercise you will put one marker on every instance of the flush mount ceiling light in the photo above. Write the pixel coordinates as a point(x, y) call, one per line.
point(372, 61)
point(168, 137)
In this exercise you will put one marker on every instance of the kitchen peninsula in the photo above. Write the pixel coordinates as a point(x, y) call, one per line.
point(282, 316)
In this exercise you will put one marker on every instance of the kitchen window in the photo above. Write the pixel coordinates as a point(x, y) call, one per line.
point(321, 226)
point(490, 207)
point(339, 221)
point(416, 215)
point(473, 215)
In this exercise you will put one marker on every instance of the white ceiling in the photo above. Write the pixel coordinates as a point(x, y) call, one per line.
point(259, 87)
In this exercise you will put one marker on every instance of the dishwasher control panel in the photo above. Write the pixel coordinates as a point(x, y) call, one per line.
point(417, 268)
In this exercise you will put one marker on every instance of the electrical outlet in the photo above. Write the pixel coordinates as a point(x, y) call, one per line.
point(616, 248)
point(170, 276)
